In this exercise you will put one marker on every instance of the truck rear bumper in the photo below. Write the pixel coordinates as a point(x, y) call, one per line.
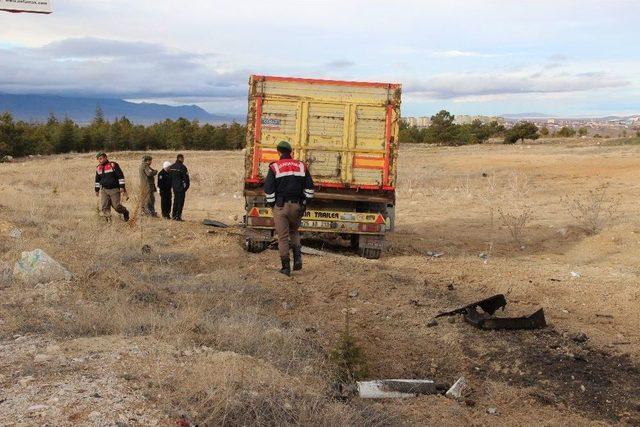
point(322, 221)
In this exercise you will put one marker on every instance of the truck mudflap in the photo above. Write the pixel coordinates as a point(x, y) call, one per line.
point(323, 221)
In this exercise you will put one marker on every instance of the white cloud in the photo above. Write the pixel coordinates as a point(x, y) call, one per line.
point(101, 67)
point(462, 54)
point(451, 86)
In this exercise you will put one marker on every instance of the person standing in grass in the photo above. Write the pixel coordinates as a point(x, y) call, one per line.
point(164, 186)
point(148, 187)
point(287, 188)
point(180, 184)
point(110, 187)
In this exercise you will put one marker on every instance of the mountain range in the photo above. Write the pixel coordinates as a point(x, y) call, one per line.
point(37, 108)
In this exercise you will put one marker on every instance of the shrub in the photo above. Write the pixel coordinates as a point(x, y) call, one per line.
point(594, 211)
point(566, 132)
point(516, 211)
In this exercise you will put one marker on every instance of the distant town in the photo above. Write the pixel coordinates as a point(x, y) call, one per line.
point(613, 126)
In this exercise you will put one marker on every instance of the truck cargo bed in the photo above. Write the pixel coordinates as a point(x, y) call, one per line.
point(346, 132)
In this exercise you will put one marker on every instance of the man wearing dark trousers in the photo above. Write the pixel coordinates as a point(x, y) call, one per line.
point(180, 184)
point(164, 187)
point(287, 187)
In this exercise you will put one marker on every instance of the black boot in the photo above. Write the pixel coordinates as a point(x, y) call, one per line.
point(297, 257)
point(286, 266)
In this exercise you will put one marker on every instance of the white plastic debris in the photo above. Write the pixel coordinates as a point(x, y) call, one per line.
point(575, 274)
point(37, 267)
point(455, 392)
point(389, 389)
point(15, 233)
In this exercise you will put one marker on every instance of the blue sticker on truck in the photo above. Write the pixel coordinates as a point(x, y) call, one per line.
point(270, 123)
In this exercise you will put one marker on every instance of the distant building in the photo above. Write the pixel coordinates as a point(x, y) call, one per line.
point(425, 121)
point(465, 120)
point(410, 121)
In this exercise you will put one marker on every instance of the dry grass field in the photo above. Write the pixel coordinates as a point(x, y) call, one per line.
point(200, 328)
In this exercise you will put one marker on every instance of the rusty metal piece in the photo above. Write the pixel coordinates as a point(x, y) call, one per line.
point(488, 305)
point(486, 320)
point(482, 321)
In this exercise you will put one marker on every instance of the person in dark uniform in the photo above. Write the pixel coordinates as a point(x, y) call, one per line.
point(164, 187)
point(180, 184)
point(287, 187)
point(110, 187)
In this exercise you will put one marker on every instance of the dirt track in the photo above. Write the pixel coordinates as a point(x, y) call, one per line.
point(445, 198)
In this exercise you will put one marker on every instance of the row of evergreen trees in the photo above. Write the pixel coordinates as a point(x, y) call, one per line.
point(19, 138)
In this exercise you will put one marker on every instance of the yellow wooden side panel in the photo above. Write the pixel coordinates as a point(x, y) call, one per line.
point(325, 141)
point(339, 130)
point(279, 122)
point(369, 144)
point(370, 128)
point(325, 92)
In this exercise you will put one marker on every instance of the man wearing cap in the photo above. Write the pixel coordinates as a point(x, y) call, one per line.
point(180, 183)
point(287, 187)
point(109, 186)
point(148, 187)
point(164, 186)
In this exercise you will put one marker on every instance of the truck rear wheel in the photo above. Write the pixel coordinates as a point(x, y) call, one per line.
point(370, 253)
point(370, 247)
point(255, 246)
point(354, 241)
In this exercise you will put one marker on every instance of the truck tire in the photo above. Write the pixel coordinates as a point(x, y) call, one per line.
point(370, 253)
point(255, 246)
point(354, 241)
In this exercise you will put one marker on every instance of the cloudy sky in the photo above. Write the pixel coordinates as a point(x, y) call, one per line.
point(470, 57)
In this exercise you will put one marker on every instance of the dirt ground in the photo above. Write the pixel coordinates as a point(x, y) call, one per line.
point(203, 329)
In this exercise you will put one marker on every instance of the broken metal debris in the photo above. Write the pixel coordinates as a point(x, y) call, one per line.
point(486, 320)
point(489, 305)
point(483, 321)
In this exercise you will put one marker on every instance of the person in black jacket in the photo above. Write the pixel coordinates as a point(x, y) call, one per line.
point(109, 186)
point(287, 187)
point(164, 186)
point(180, 184)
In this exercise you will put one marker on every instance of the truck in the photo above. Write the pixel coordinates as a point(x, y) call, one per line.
point(347, 134)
